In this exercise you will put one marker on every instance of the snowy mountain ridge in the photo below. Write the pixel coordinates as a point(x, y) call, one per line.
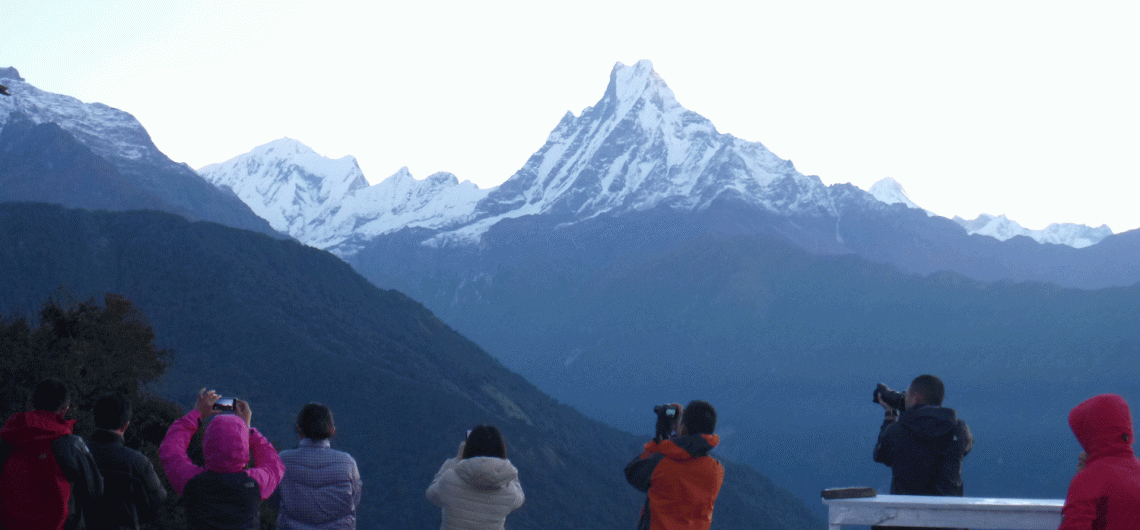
point(325, 202)
point(1003, 228)
point(107, 131)
point(634, 150)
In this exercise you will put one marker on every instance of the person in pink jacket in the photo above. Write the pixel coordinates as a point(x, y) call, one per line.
point(223, 494)
point(1105, 493)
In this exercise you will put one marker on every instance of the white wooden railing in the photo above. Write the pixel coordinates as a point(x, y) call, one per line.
point(956, 512)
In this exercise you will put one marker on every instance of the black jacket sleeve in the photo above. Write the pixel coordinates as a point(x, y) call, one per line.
point(884, 449)
point(150, 493)
point(639, 471)
point(77, 464)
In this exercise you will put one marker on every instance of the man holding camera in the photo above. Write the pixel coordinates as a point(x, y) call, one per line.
point(925, 443)
point(682, 480)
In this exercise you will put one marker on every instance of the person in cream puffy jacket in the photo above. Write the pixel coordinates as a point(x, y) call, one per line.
point(478, 488)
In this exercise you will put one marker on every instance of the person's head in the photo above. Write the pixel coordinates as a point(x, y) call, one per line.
point(112, 412)
point(485, 440)
point(315, 422)
point(1102, 424)
point(925, 390)
point(699, 417)
point(51, 395)
point(225, 445)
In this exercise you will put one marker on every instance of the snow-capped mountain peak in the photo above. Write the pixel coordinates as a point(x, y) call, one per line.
point(107, 131)
point(287, 183)
point(637, 149)
point(325, 202)
point(889, 190)
point(629, 84)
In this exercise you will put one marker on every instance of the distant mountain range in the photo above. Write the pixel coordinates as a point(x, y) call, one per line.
point(636, 150)
point(1001, 227)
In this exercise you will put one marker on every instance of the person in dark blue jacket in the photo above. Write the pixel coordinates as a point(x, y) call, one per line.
point(925, 444)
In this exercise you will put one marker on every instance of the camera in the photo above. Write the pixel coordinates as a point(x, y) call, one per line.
point(667, 416)
point(224, 404)
point(894, 399)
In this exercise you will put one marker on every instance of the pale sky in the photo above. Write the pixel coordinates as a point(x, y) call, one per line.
point(1028, 108)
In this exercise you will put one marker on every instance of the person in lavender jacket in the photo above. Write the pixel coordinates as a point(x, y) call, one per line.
point(223, 494)
point(321, 488)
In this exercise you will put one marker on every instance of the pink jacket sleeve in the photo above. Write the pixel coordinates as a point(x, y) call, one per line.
point(172, 452)
point(267, 467)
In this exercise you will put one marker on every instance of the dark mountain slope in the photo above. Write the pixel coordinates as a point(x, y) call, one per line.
point(281, 324)
point(45, 163)
point(612, 312)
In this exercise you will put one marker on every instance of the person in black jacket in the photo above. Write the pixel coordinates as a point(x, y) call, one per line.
point(132, 491)
point(924, 446)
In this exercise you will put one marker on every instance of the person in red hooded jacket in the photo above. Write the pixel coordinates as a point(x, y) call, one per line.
point(44, 465)
point(1105, 493)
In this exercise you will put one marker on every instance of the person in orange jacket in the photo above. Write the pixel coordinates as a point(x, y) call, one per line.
point(1105, 493)
point(682, 480)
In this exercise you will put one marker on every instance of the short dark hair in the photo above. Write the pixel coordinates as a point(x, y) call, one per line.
point(699, 417)
point(315, 421)
point(930, 388)
point(51, 395)
point(112, 412)
point(485, 440)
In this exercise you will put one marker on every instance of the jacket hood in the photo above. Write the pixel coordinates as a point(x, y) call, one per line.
point(27, 429)
point(929, 421)
point(688, 446)
point(1100, 424)
point(225, 445)
point(486, 472)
